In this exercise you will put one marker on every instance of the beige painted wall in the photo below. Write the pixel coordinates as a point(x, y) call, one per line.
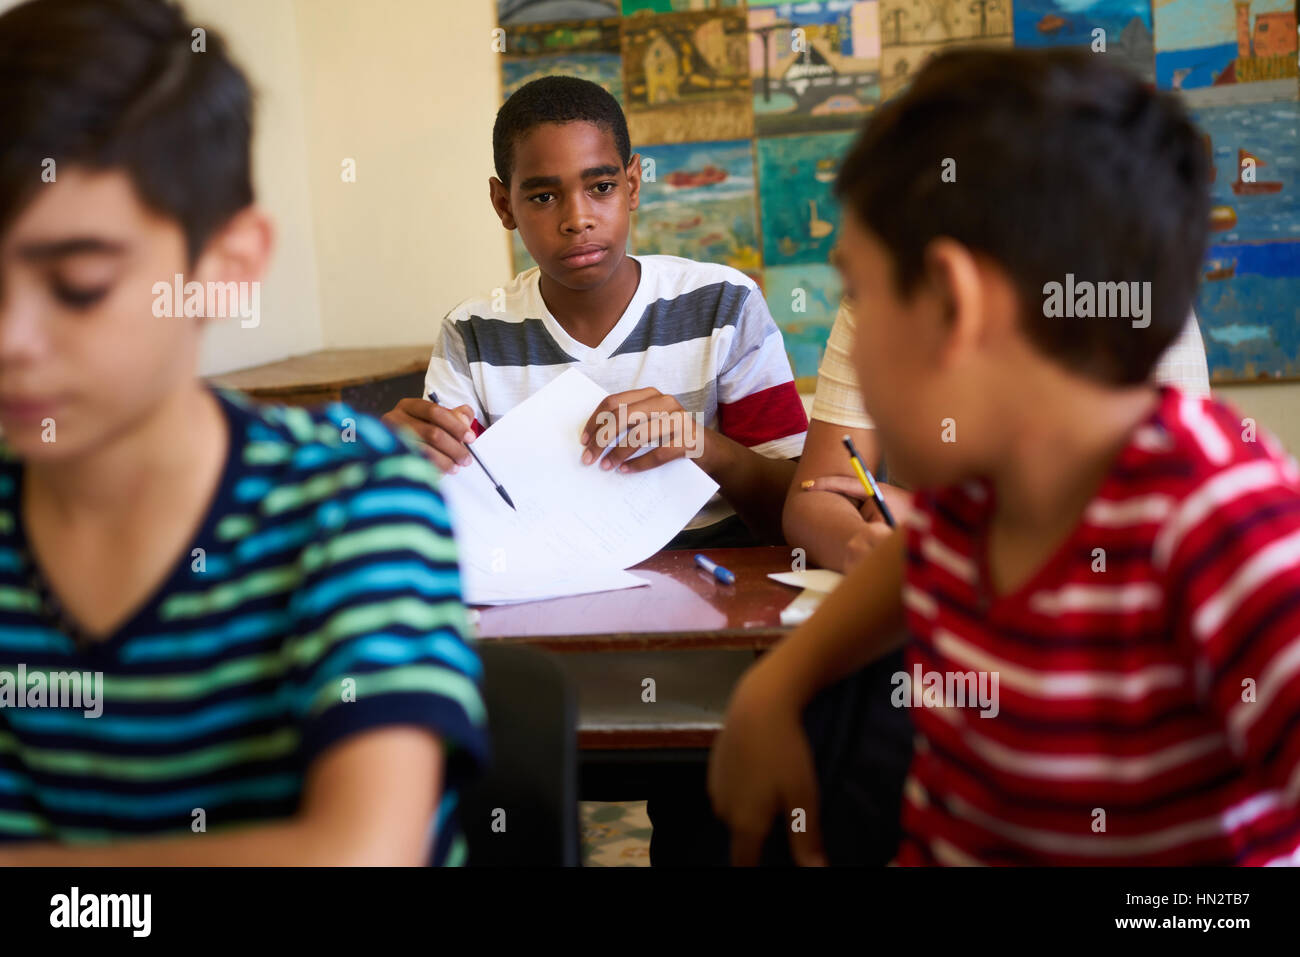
point(262, 35)
point(409, 89)
point(1272, 404)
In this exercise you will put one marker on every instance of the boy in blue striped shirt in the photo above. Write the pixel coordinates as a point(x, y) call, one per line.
point(227, 635)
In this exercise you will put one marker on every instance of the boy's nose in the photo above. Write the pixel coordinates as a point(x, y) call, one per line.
point(578, 217)
point(19, 330)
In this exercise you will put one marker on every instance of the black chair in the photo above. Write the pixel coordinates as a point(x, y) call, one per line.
point(524, 813)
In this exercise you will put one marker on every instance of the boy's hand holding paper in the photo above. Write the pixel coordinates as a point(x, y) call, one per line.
point(640, 429)
point(576, 527)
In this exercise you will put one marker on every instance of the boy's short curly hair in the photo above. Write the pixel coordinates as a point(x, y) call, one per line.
point(555, 99)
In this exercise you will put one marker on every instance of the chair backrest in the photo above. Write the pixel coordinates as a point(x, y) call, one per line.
point(525, 811)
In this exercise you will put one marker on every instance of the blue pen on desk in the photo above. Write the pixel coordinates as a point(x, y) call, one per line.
point(433, 397)
point(716, 570)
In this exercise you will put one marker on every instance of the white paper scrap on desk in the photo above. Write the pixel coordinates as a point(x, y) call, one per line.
point(816, 583)
point(577, 527)
point(802, 608)
point(817, 579)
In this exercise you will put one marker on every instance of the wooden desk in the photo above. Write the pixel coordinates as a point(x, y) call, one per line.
point(684, 607)
point(688, 630)
point(333, 375)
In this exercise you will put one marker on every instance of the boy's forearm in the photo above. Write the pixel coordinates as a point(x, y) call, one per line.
point(855, 625)
point(290, 843)
point(822, 523)
point(753, 484)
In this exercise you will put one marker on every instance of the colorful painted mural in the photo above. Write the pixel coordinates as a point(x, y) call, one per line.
point(748, 109)
point(1120, 29)
point(814, 66)
point(686, 77)
point(800, 216)
point(1219, 52)
point(912, 31)
point(697, 201)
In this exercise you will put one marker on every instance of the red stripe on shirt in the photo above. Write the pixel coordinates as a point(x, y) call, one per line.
point(763, 416)
point(1091, 712)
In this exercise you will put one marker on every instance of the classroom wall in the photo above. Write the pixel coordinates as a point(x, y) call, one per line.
point(409, 90)
point(1273, 405)
point(263, 38)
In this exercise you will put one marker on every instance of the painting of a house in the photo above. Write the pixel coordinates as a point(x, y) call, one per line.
point(914, 30)
point(686, 77)
point(1218, 52)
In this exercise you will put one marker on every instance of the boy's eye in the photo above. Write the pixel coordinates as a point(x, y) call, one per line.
point(603, 190)
point(540, 197)
point(78, 297)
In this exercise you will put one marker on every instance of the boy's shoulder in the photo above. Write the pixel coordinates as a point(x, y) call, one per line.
point(699, 298)
point(1195, 460)
point(1191, 440)
point(294, 444)
point(514, 301)
point(676, 275)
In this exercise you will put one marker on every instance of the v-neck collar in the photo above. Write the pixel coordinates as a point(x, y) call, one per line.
point(180, 575)
point(616, 336)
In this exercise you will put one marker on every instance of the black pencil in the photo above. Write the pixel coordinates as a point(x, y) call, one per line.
point(433, 397)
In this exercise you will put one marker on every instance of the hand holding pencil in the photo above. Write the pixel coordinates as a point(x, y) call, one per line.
point(880, 503)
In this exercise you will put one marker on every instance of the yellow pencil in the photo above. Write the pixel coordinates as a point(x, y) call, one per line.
point(868, 482)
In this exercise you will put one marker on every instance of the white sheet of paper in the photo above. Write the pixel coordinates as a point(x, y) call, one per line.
point(577, 527)
point(801, 609)
point(816, 579)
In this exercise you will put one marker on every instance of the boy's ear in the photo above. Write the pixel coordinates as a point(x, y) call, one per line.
point(956, 284)
point(499, 193)
point(240, 251)
point(634, 181)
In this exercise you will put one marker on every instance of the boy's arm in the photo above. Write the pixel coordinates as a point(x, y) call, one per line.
point(753, 484)
point(826, 510)
point(856, 624)
point(761, 764)
point(1233, 560)
point(368, 800)
point(833, 527)
point(448, 427)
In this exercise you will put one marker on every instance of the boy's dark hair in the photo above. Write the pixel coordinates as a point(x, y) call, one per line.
point(1063, 164)
point(555, 99)
point(115, 84)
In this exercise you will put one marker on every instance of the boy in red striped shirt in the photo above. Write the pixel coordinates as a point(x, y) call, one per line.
point(1100, 585)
